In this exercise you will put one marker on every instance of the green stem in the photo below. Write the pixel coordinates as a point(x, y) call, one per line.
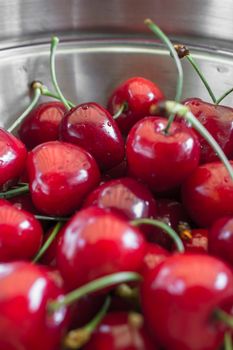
point(15, 192)
point(50, 218)
point(180, 81)
point(224, 317)
point(53, 47)
point(49, 241)
point(35, 99)
point(167, 229)
point(121, 109)
point(228, 92)
point(183, 111)
point(228, 341)
point(94, 286)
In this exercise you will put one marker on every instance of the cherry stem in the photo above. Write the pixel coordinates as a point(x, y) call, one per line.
point(180, 81)
point(48, 242)
point(53, 47)
point(50, 218)
point(224, 317)
point(35, 99)
point(184, 111)
point(121, 109)
point(228, 92)
point(167, 229)
point(15, 192)
point(94, 286)
point(228, 341)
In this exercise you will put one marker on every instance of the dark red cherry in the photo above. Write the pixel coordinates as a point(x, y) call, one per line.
point(154, 255)
point(139, 95)
point(118, 332)
point(179, 298)
point(20, 233)
point(61, 175)
point(49, 256)
point(126, 195)
point(91, 127)
point(25, 291)
point(24, 202)
point(218, 120)
point(163, 161)
point(95, 243)
point(12, 158)
point(221, 239)
point(208, 194)
point(195, 241)
point(42, 124)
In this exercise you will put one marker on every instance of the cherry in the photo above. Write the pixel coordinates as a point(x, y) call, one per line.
point(49, 256)
point(161, 160)
point(12, 158)
point(25, 291)
point(208, 194)
point(24, 202)
point(42, 124)
point(95, 243)
point(126, 195)
point(140, 96)
point(118, 332)
point(179, 299)
point(91, 127)
point(61, 175)
point(20, 233)
point(196, 240)
point(154, 255)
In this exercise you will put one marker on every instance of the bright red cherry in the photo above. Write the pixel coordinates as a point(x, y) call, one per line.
point(118, 332)
point(95, 243)
point(179, 298)
point(163, 161)
point(12, 158)
point(42, 124)
point(20, 233)
point(195, 241)
point(61, 175)
point(25, 291)
point(91, 127)
point(154, 255)
point(208, 194)
point(126, 195)
point(139, 95)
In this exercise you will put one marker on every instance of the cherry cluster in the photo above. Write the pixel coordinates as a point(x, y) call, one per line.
point(116, 223)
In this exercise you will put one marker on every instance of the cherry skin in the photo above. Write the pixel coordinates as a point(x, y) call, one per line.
point(162, 161)
point(116, 332)
point(12, 158)
point(179, 298)
point(126, 195)
point(60, 175)
point(91, 127)
point(42, 124)
point(140, 96)
point(97, 242)
point(208, 194)
point(196, 240)
point(24, 202)
point(154, 255)
point(20, 233)
point(25, 291)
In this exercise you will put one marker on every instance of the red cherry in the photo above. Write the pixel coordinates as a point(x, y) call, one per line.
point(95, 243)
point(208, 194)
point(49, 256)
point(154, 255)
point(140, 96)
point(12, 157)
point(42, 124)
point(195, 241)
point(24, 202)
point(116, 332)
point(25, 291)
point(126, 195)
point(20, 233)
point(91, 127)
point(179, 298)
point(161, 160)
point(61, 175)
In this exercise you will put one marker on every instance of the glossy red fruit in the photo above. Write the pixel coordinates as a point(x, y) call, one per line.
point(42, 124)
point(195, 241)
point(140, 96)
point(208, 194)
point(25, 291)
point(179, 298)
point(126, 195)
point(116, 332)
point(12, 158)
point(218, 120)
point(221, 239)
point(97, 242)
point(154, 255)
point(20, 233)
point(61, 175)
point(91, 127)
point(162, 161)
point(24, 202)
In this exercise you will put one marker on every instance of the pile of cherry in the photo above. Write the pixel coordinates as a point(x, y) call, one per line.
point(116, 230)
